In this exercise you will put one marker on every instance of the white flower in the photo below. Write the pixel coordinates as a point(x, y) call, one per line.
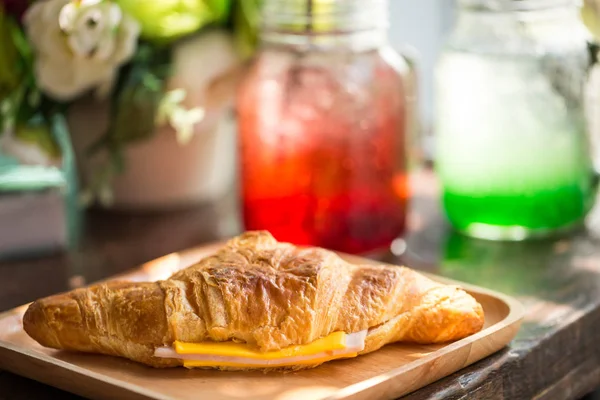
point(182, 120)
point(79, 45)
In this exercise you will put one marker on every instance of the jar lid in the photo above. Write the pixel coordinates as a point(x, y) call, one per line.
point(324, 16)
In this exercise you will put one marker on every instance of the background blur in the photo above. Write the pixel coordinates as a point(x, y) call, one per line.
point(423, 26)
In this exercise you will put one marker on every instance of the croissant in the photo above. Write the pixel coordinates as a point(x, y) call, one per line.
point(259, 294)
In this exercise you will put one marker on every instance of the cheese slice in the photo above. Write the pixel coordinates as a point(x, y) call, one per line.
point(229, 354)
point(291, 361)
point(335, 341)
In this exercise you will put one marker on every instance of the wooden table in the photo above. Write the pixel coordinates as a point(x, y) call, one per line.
point(556, 355)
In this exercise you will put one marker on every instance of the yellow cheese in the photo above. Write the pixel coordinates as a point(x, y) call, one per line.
point(335, 341)
point(274, 364)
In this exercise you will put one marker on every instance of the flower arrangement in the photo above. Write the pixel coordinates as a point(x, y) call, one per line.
point(137, 55)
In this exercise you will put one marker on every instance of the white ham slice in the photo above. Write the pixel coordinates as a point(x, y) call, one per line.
point(355, 342)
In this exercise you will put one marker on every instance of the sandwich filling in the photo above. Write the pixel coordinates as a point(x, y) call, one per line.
point(230, 354)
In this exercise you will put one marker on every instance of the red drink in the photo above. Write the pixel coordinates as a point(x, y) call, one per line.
point(323, 147)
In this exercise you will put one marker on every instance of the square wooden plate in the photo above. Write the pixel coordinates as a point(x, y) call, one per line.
point(388, 373)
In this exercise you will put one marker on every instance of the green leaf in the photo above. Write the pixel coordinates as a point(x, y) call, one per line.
point(40, 136)
point(220, 9)
point(163, 21)
point(136, 112)
point(10, 71)
point(138, 94)
point(246, 23)
point(20, 42)
point(10, 107)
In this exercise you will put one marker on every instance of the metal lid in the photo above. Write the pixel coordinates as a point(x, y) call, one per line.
point(324, 16)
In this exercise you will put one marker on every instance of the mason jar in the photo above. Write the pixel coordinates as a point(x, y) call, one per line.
point(322, 117)
point(512, 146)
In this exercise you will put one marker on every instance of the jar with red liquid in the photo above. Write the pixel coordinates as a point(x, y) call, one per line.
point(323, 119)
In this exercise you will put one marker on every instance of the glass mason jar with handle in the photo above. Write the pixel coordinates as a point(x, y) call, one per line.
point(322, 120)
point(512, 148)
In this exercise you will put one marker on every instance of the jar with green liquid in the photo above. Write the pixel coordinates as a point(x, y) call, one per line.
point(512, 147)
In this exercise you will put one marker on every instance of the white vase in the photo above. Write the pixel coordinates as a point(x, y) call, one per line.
point(160, 173)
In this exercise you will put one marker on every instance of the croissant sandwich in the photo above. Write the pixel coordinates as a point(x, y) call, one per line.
point(256, 303)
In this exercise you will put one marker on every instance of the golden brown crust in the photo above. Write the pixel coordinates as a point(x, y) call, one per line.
point(259, 291)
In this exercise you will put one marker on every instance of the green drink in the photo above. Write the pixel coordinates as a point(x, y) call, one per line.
point(512, 148)
point(513, 157)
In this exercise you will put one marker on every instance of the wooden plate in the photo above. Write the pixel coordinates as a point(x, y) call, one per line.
point(388, 373)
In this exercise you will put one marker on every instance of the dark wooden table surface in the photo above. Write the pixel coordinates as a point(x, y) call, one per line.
point(556, 355)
